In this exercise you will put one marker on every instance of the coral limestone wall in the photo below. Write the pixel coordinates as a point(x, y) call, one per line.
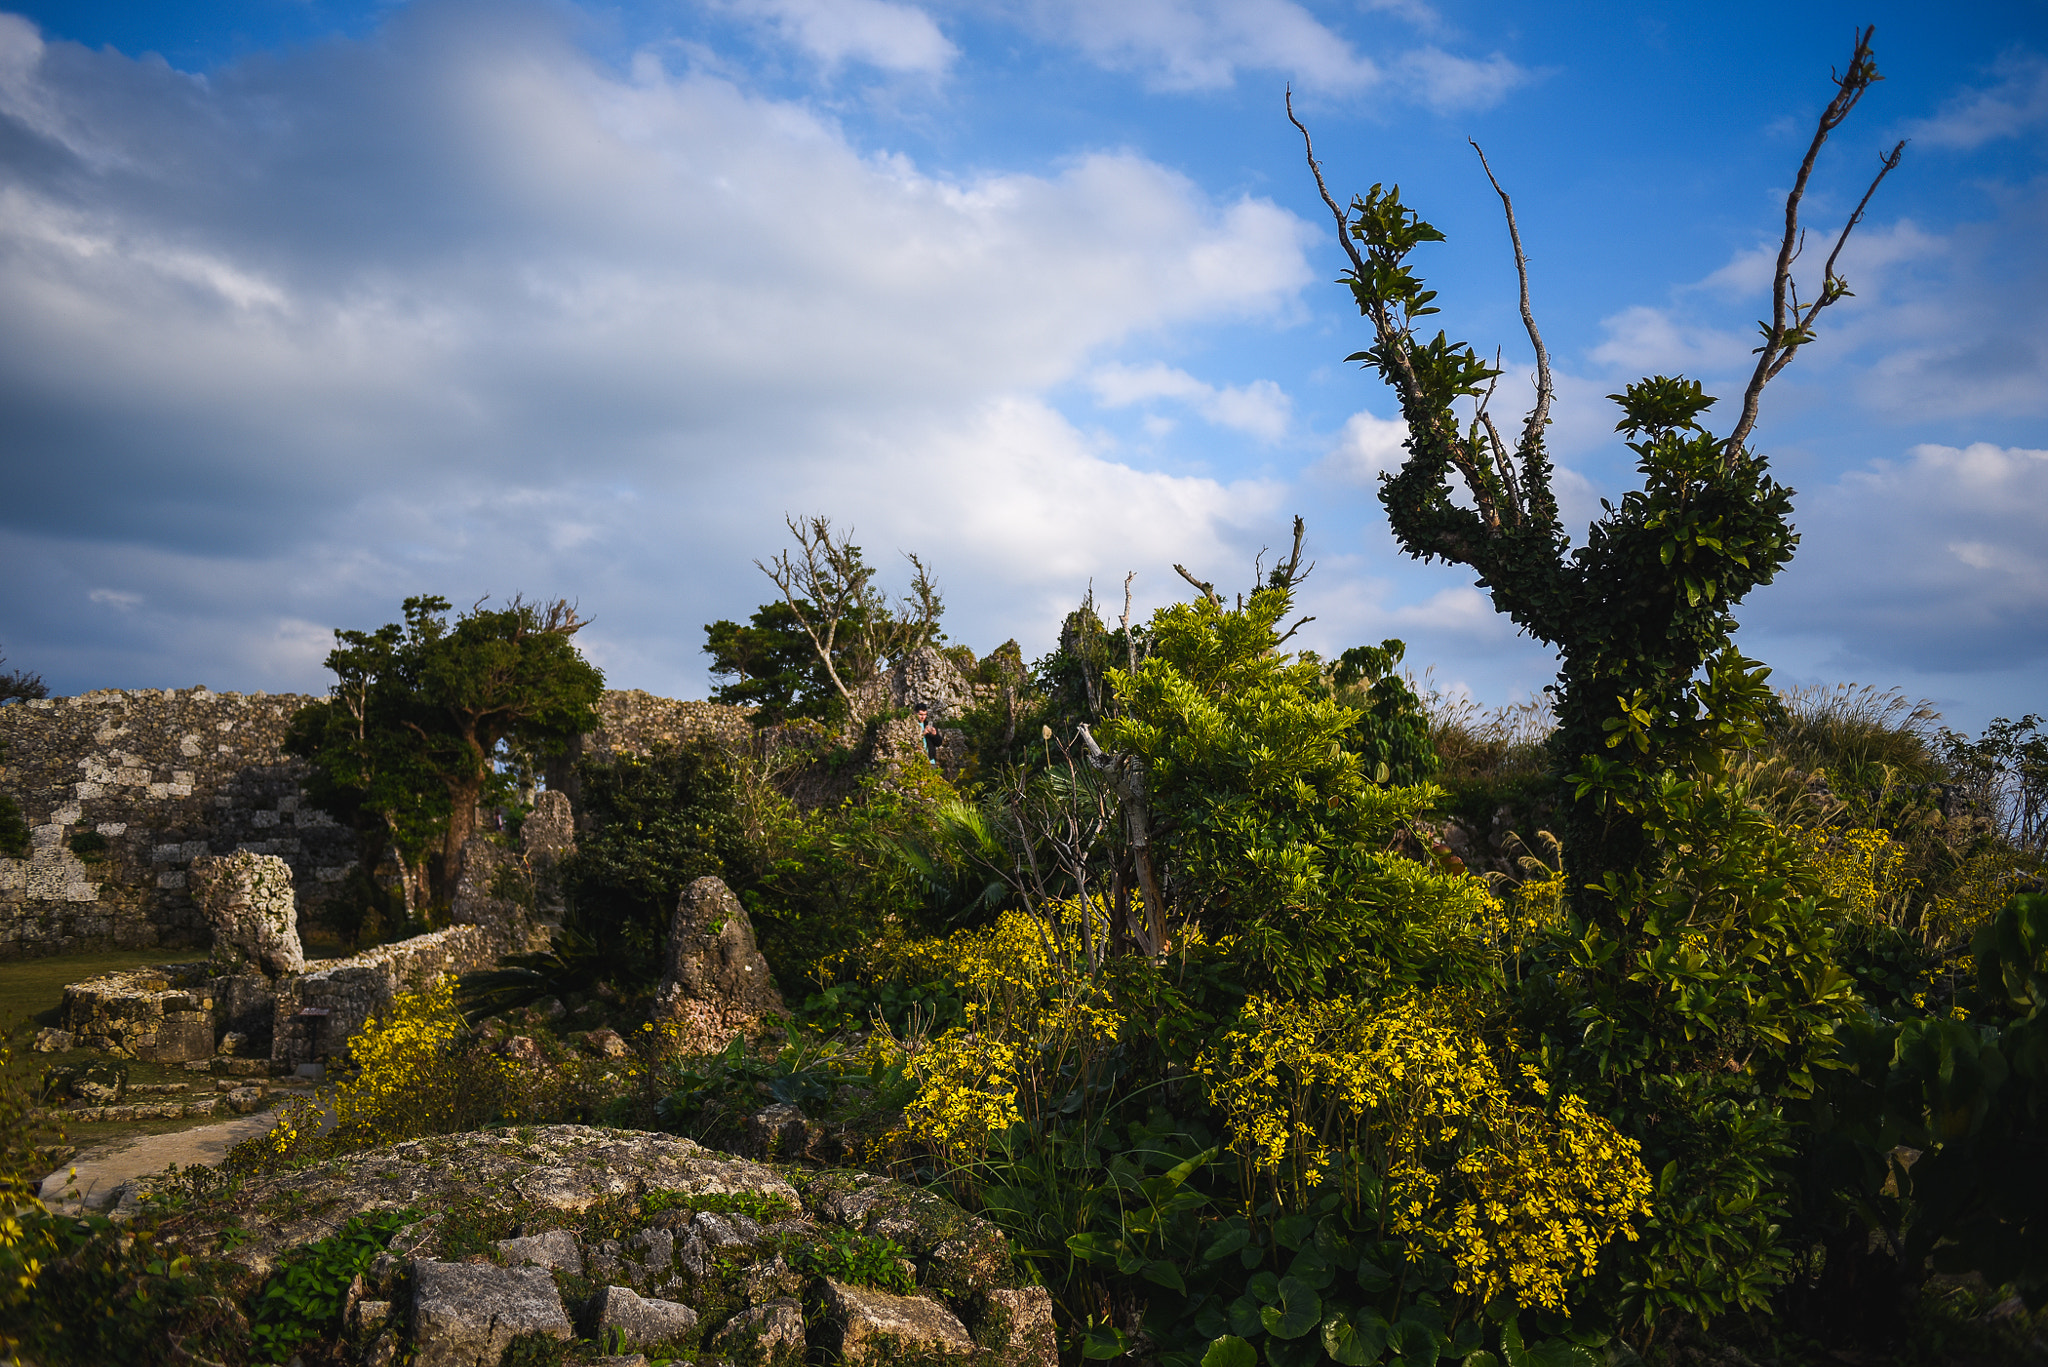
point(123, 788)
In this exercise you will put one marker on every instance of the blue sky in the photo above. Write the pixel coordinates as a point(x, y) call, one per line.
point(311, 306)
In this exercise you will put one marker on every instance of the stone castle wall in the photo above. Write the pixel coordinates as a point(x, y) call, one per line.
point(633, 723)
point(164, 776)
point(168, 775)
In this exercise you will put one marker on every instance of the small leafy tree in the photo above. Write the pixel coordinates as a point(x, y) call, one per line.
point(408, 742)
point(20, 685)
point(772, 665)
point(829, 592)
point(1650, 683)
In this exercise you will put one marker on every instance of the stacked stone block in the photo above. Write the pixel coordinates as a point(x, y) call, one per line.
point(161, 1014)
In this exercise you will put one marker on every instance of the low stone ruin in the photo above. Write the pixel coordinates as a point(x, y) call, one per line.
point(715, 983)
point(162, 1014)
point(679, 1249)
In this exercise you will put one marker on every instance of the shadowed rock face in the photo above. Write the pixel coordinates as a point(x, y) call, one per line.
point(715, 981)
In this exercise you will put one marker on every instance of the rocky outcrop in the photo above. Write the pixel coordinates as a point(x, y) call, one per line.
point(715, 1244)
point(924, 678)
point(251, 910)
point(715, 982)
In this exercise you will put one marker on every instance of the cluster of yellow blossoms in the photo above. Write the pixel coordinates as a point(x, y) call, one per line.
point(1521, 1198)
point(1034, 1015)
point(413, 1074)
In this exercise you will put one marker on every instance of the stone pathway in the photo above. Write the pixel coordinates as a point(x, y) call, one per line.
point(102, 1171)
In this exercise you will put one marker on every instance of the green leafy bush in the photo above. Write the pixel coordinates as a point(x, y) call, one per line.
point(302, 1301)
point(848, 1255)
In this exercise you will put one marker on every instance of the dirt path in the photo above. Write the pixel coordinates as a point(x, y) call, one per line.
point(101, 1171)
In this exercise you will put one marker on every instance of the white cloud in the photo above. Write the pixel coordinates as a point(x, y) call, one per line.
point(115, 598)
point(1368, 447)
point(2009, 109)
point(890, 36)
point(1936, 564)
point(1643, 340)
point(460, 310)
point(1260, 409)
point(1205, 44)
point(1448, 83)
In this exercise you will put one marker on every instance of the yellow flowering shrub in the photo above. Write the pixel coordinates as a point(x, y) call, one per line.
point(1034, 1014)
point(414, 1071)
point(967, 1092)
point(1519, 1197)
point(1863, 870)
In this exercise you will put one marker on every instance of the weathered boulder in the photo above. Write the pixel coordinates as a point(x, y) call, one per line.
point(546, 837)
point(51, 1040)
point(767, 1335)
point(248, 902)
point(642, 1319)
point(1020, 1329)
point(467, 1314)
point(557, 1248)
point(493, 893)
point(865, 1326)
point(715, 982)
point(783, 1133)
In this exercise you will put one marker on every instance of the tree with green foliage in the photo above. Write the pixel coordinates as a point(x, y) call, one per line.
point(773, 666)
point(413, 733)
point(1693, 990)
point(830, 600)
point(1650, 684)
point(18, 685)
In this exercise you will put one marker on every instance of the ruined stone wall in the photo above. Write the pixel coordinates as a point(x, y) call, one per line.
point(635, 722)
point(320, 1010)
point(167, 775)
point(162, 776)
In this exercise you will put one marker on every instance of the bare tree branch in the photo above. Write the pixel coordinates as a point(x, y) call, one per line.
point(1130, 641)
point(1208, 590)
point(1394, 342)
point(822, 589)
point(1288, 573)
point(1532, 430)
point(1291, 630)
point(1788, 329)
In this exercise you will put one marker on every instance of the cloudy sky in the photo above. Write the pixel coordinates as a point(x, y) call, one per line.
point(308, 305)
